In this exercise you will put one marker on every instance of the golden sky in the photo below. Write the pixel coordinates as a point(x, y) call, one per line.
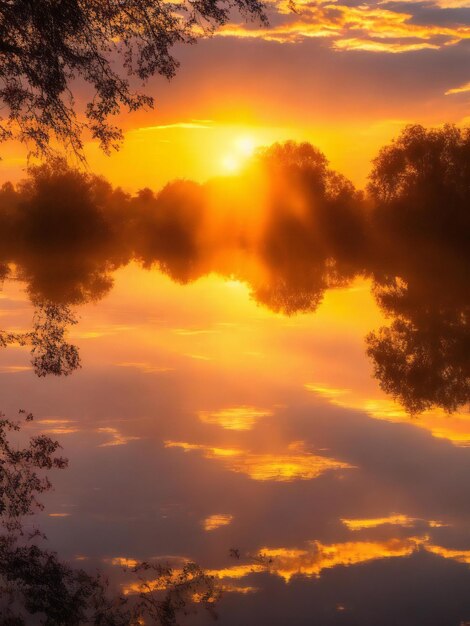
point(345, 76)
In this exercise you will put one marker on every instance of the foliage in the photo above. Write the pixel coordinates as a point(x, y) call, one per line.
point(20, 478)
point(420, 187)
point(50, 352)
point(423, 364)
point(48, 46)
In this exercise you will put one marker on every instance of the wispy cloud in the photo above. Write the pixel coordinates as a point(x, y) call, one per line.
point(392, 47)
point(296, 463)
point(192, 125)
point(465, 88)
point(217, 521)
point(287, 562)
point(235, 418)
point(14, 369)
point(116, 437)
point(188, 332)
point(455, 427)
point(145, 367)
point(326, 391)
point(405, 521)
point(316, 557)
point(58, 426)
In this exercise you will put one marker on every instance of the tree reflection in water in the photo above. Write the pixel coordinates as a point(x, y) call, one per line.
point(288, 226)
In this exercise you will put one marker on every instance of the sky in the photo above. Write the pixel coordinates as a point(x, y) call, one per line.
point(344, 76)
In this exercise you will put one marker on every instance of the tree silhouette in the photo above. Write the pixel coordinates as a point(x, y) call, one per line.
point(46, 47)
point(32, 580)
point(50, 351)
point(420, 187)
point(313, 223)
point(423, 362)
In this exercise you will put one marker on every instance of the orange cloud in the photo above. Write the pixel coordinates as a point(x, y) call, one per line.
point(360, 524)
point(454, 428)
point(394, 519)
point(234, 418)
point(289, 562)
point(295, 464)
point(364, 27)
point(461, 89)
point(14, 369)
point(117, 438)
point(123, 561)
point(58, 426)
point(193, 124)
point(370, 45)
point(462, 556)
point(311, 561)
point(216, 521)
point(145, 367)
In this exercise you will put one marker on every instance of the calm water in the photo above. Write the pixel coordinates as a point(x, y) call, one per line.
point(201, 421)
point(233, 402)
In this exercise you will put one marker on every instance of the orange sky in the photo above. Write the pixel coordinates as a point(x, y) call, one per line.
point(345, 76)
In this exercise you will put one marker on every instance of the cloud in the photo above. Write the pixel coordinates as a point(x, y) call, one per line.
point(454, 428)
point(392, 47)
point(366, 27)
point(294, 464)
point(287, 563)
point(117, 438)
point(452, 4)
point(317, 557)
point(189, 332)
point(284, 33)
point(145, 367)
point(313, 560)
point(404, 521)
point(462, 556)
point(331, 393)
point(121, 561)
point(235, 418)
point(193, 125)
point(465, 88)
point(217, 520)
point(58, 426)
point(14, 369)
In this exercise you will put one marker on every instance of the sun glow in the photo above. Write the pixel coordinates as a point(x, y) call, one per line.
point(243, 148)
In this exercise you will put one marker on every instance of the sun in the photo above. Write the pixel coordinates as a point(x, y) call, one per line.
point(231, 164)
point(245, 146)
point(243, 149)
